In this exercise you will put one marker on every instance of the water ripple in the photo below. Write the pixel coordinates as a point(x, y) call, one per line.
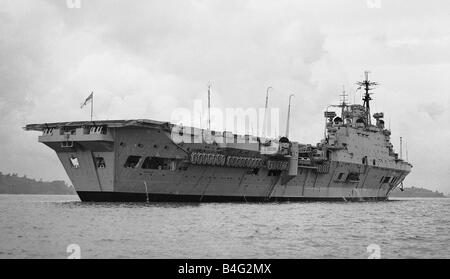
point(43, 227)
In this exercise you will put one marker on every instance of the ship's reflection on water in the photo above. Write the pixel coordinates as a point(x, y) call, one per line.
point(74, 204)
point(79, 204)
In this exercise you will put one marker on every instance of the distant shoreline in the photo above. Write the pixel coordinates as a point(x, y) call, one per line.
point(416, 192)
point(26, 194)
point(392, 197)
point(15, 184)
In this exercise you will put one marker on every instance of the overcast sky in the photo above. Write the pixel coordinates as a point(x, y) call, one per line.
point(144, 59)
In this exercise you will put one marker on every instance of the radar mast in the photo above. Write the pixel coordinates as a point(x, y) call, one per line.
point(367, 85)
point(343, 101)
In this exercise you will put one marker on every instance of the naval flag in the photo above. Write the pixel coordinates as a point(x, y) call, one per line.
point(89, 98)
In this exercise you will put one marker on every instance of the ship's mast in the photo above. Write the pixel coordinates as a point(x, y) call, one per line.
point(401, 148)
point(367, 85)
point(289, 115)
point(265, 111)
point(209, 106)
point(344, 101)
point(406, 147)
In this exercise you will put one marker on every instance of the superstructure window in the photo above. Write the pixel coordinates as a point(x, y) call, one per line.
point(74, 162)
point(67, 144)
point(353, 177)
point(153, 163)
point(274, 173)
point(132, 161)
point(340, 176)
point(158, 163)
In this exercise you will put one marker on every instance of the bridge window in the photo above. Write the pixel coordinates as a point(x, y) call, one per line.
point(132, 161)
point(386, 179)
point(100, 162)
point(74, 162)
point(340, 176)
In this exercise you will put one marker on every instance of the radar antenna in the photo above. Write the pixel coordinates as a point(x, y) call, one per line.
point(367, 85)
point(343, 101)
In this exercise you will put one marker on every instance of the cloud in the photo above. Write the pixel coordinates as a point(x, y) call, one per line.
point(139, 59)
point(434, 110)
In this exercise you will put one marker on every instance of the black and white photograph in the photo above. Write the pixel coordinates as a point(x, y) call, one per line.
point(238, 130)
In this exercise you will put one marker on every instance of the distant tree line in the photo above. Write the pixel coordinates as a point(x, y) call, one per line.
point(416, 192)
point(14, 184)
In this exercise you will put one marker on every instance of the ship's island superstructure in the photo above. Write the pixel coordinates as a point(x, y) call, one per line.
point(146, 160)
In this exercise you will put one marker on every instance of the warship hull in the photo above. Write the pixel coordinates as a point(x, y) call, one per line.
point(142, 197)
point(213, 184)
point(139, 160)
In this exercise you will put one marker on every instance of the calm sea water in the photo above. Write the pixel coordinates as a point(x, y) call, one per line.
point(43, 227)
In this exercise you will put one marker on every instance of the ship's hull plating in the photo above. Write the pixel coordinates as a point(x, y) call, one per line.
point(218, 184)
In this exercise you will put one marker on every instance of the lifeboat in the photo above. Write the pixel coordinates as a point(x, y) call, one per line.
point(216, 160)
point(240, 162)
point(222, 160)
point(232, 161)
point(211, 159)
point(204, 159)
point(228, 162)
point(193, 158)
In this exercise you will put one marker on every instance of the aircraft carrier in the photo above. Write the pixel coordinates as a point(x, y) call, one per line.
point(145, 160)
